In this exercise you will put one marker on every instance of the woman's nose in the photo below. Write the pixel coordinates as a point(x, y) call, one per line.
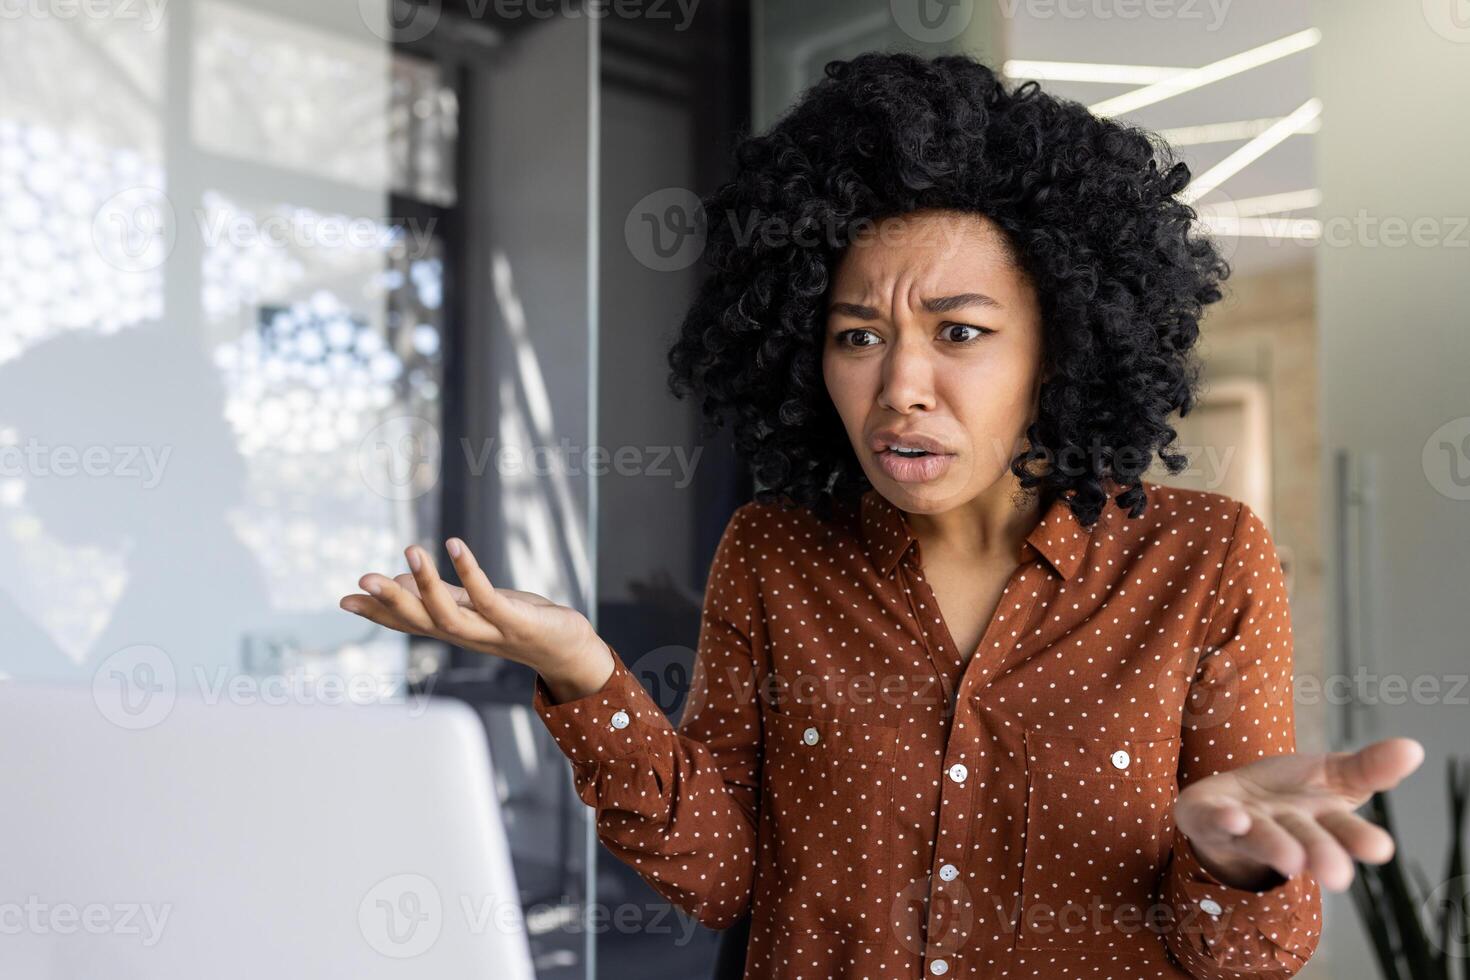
point(908, 378)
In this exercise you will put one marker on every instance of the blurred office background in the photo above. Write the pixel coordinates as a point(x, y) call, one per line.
point(285, 287)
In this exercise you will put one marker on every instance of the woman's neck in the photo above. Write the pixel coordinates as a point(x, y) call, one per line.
point(994, 522)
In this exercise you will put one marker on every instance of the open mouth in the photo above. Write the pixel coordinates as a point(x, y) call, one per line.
point(915, 459)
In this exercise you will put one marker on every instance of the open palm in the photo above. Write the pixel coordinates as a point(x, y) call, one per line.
point(1294, 813)
point(520, 626)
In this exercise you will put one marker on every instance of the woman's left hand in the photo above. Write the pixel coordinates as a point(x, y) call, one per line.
point(1294, 813)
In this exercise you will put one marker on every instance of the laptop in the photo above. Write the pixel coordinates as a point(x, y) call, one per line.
point(250, 839)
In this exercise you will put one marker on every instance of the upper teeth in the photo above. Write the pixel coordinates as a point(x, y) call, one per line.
point(907, 449)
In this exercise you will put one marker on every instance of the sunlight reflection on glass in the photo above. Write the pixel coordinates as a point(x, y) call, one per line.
point(308, 370)
point(54, 276)
point(546, 542)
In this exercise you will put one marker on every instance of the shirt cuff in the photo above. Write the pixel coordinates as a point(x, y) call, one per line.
point(618, 720)
point(1202, 898)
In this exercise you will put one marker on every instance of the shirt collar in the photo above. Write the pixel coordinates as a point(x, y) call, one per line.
point(1060, 537)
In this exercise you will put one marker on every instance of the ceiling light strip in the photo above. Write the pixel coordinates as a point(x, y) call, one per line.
point(1207, 74)
point(1254, 207)
point(1080, 71)
point(1226, 132)
point(1251, 151)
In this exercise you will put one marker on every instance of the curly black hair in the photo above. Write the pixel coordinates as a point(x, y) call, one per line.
point(1087, 205)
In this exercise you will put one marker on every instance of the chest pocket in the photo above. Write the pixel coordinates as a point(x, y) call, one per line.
point(828, 794)
point(1099, 823)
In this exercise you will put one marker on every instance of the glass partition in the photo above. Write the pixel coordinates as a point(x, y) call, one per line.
point(283, 289)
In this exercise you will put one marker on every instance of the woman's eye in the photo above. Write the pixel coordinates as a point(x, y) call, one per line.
point(963, 333)
point(960, 333)
point(850, 338)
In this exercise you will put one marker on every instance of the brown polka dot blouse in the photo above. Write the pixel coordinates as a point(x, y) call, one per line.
point(889, 806)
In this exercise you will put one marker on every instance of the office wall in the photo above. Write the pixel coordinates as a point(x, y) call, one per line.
point(531, 323)
point(1265, 330)
point(1395, 350)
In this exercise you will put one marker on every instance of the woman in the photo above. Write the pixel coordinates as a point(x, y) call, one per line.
point(952, 714)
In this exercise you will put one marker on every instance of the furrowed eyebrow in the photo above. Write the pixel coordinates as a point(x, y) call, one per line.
point(854, 310)
point(939, 304)
point(947, 304)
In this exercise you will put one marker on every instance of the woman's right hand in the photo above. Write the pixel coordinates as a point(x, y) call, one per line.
point(554, 640)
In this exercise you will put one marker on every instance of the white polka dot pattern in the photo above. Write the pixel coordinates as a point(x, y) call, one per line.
point(887, 805)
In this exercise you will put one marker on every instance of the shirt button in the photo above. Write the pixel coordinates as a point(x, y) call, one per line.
point(1209, 906)
point(957, 772)
point(939, 967)
point(811, 736)
point(949, 872)
point(1120, 759)
point(620, 719)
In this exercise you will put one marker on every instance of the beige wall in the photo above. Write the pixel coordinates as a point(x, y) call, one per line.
point(1265, 329)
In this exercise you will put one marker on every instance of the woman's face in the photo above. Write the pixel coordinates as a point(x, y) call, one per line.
point(933, 346)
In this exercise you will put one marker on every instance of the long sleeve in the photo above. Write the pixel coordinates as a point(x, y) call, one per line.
point(679, 806)
point(1240, 709)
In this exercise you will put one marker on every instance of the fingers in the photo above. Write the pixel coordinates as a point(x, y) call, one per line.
point(433, 592)
point(1222, 818)
point(1326, 859)
point(1269, 842)
point(1377, 766)
point(1362, 839)
point(421, 602)
point(407, 581)
point(389, 605)
point(1292, 841)
point(477, 585)
point(371, 609)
